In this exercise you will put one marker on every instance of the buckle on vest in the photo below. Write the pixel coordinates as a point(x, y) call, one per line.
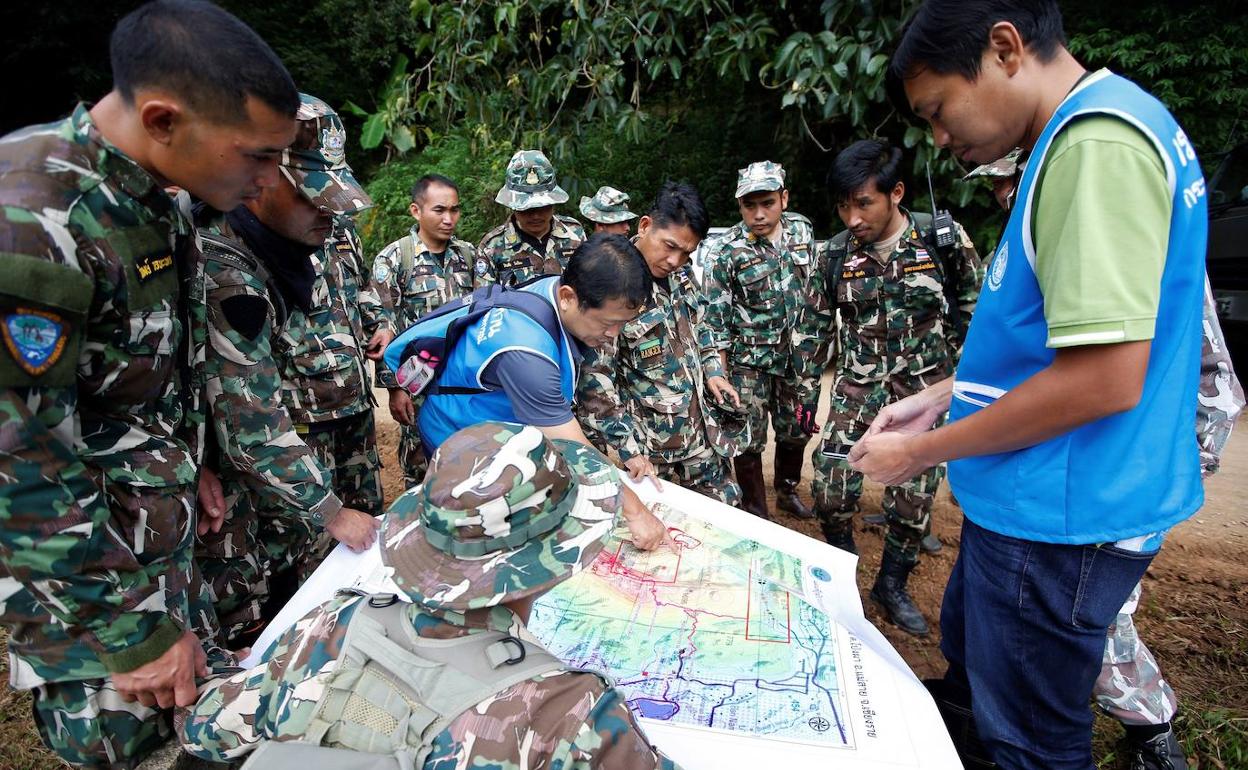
point(381, 601)
point(513, 660)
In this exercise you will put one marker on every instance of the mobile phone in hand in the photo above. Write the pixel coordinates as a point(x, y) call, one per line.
point(834, 450)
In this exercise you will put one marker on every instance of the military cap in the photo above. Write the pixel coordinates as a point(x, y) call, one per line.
point(530, 183)
point(503, 514)
point(316, 163)
point(759, 177)
point(1007, 166)
point(607, 207)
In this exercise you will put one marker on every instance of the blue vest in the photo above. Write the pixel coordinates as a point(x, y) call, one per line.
point(497, 331)
point(1126, 475)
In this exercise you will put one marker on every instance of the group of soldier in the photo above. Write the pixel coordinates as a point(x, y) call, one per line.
point(186, 393)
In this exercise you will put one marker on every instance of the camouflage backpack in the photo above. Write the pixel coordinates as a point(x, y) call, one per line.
point(392, 692)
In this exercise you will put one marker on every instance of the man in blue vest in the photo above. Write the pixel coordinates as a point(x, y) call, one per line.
point(507, 367)
point(1071, 412)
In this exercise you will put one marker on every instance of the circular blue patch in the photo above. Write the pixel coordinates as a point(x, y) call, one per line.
point(820, 574)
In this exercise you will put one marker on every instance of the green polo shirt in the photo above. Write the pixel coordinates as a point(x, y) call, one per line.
point(1100, 224)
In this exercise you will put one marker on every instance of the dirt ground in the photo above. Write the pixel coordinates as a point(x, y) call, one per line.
point(1194, 615)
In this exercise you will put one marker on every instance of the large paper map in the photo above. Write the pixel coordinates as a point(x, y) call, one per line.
point(745, 646)
point(713, 633)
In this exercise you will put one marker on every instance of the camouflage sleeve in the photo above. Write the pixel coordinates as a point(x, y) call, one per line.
point(376, 310)
point(253, 429)
point(708, 347)
point(484, 268)
point(385, 283)
point(815, 331)
point(55, 534)
point(276, 698)
point(970, 277)
point(717, 286)
point(603, 413)
point(611, 738)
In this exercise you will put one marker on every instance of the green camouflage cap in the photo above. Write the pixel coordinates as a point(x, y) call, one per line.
point(729, 429)
point(316, 163)
point(759, 177)
point(607, 207)
point(530, 183)
point(1001, 167)
point(503, 514)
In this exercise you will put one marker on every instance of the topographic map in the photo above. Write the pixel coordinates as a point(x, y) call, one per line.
point(713, 634)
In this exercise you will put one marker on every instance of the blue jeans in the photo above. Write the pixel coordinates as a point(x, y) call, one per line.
point(1023, 627)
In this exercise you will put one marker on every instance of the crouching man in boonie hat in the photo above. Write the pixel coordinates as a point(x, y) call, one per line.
point(504, 515)
point(608, 210)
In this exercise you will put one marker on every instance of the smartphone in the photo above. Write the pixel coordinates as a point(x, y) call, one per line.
point(835, 450)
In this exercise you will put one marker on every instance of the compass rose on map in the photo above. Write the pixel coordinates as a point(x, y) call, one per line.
point(819, 724)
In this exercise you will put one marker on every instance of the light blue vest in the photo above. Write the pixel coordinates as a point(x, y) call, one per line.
point(496, 332)
point(1126, 475)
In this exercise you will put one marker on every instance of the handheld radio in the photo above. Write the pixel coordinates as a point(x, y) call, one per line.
point(942, 221)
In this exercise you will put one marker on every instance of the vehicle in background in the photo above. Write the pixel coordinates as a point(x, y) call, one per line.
point(1227, 256)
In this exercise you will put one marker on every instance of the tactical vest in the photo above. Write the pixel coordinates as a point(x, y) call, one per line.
point(497, 332)
point(947, 265)
point(1125, 475)
point(392, 691)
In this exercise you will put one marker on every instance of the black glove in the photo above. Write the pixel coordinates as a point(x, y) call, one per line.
point(805, 415)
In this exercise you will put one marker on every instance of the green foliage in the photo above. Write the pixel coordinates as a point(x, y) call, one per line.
point(1191, 56)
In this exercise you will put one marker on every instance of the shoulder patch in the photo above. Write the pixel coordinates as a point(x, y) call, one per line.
point(245, 313)
point(481, 267)
point(34, 338)
point(381, 271)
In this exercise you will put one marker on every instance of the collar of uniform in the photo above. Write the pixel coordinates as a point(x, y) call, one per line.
point(119, 169)
point(559, 228)
point(755, 240)
point(911, 235)
point(521, 237)
point(422, 248)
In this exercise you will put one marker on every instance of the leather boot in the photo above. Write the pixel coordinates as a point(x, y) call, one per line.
point(839, 533)
point(749, 467)
point(890, 591)
point(788, 469)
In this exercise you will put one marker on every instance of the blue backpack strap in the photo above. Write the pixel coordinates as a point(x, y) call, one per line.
point(484, 300)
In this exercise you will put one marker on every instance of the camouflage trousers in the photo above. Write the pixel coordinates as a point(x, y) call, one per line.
point(234, 567)
point(837, 487)
point(88, 724)
point(413, 461)
point(348, 450)
point(1130, 687)
point(766, 395)
point(706, 473)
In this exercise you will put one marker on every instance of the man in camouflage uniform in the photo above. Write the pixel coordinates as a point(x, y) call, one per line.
point(755, 280)
point(100, 380)
point(608, 210)
point(254, 259)
point(309, 686)
point(416, 275)
point(323, 349)
point(897, 335)
point(645, 392)
point(534, 240)
point(1130, 687)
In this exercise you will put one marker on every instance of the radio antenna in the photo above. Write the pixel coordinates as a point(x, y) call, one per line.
point(930, 192)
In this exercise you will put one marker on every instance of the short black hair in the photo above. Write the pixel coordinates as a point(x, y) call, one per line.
point(424, 183)
point(949, 36)
point(201, 53)
point(861, 162)
point(608, 267)
point(678, 203)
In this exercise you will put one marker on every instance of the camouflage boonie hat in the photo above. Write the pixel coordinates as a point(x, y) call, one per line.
point(316, 163)
point(728, 430)
point(530, 183)
point(1007, 166)
point(759, 177)
point(607, 207)
point(503, 514)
